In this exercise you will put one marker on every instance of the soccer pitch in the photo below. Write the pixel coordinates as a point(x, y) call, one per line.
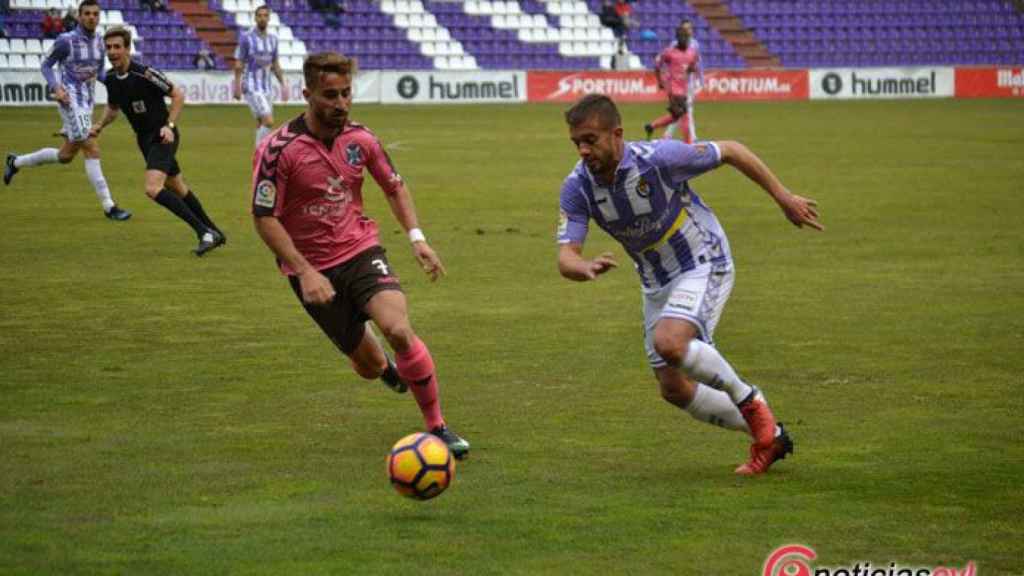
point(163, 414)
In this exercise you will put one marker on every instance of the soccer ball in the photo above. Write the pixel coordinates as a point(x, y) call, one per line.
point(420, 466)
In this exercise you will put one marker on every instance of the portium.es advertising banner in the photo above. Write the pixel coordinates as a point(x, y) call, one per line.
point(642, 86)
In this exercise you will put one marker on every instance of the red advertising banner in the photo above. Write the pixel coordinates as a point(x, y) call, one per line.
point(989, 82)
point(641, 86)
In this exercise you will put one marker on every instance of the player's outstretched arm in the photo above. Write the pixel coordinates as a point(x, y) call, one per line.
point(316, 288)
point(109, 115)
point(798, 210)
point(400, 201)
point(572, 264)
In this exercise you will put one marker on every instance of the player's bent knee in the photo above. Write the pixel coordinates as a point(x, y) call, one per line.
point(153, 191)
point(367, 371)
point(399, 335)
point(671, 348)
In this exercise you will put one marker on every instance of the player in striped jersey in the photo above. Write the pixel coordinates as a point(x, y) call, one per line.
point(79, 54)
point(255, 60)
point(638, 192)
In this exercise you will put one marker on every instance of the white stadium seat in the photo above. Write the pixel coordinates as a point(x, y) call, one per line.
point(441, 63)
point(18, 45)
point(32, 61)
point(442, 34)
point(5, 46)
point(230, 5)
point(471, 7)
point(15, 61)
point(3, 60)
point(33, 46)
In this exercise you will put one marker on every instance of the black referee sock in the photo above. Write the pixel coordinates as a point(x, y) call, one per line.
point(196, 207)
point(172, 202)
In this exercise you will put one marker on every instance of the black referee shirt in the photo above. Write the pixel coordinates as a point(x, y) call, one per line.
point(140, 95)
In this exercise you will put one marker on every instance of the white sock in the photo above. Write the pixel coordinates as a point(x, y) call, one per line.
point(41, 156)
point(704, 364)
point(670, 132)
point(99, 183)
point(715, 407)
point(261, 133)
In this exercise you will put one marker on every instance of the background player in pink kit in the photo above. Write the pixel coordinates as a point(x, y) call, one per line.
point(680, 73)
point(308, 208)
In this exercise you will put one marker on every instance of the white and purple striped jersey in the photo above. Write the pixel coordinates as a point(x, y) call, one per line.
point(650, 209)
point(80, 57)
point(257, 52)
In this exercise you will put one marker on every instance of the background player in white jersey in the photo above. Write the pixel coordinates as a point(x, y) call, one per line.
point(256, 58)
point(79, 54)
point(639, 193)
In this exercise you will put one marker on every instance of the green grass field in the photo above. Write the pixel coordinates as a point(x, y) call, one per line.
point(162, 414)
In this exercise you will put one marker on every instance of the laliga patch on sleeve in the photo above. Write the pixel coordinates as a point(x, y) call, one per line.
point(266, 194)
point(563, 223)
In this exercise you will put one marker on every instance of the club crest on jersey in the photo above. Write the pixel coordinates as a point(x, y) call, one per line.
point(139, 106)
point(354, 155)
point(643, 190)
point(702, 149)
point(266, 194)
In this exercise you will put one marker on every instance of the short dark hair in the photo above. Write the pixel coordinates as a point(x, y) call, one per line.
point(84, 3)
point(316, 65)
point(118, 32)
point(261, 7)
point(594, 105)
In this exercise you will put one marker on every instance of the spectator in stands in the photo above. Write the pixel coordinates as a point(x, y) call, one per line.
point(625, 12)
point(52, 25)
point(204, 60)
point(70, 20)
point(154, 5)
point(610, 19)
point(3, 30)
point(5, 7)
point(331, 10)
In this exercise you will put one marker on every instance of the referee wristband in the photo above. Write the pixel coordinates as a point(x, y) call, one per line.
point(416, 235)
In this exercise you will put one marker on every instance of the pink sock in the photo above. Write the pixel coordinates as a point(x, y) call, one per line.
point(662, 122)
point(416, 367)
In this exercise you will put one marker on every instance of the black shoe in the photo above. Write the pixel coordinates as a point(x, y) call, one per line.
point(117, 214)
point(649, 131)
point(456, 443)
point(392, 380)
point(10, 169)
point(209, 241)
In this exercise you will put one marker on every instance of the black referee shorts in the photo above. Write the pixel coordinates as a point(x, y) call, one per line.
point(160, 156)
point(355, 282)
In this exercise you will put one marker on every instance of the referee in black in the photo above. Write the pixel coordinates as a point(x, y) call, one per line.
point(139, 91)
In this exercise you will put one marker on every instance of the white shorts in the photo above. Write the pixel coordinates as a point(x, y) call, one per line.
point(698, 297)
point(77, 122)
point(260, 104)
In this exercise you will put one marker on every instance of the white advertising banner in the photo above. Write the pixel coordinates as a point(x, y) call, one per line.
point(27, 87)
point(856, 83)
point(452, 87)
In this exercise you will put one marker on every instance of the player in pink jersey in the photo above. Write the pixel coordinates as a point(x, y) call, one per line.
point(307, 206)
point(680, 73)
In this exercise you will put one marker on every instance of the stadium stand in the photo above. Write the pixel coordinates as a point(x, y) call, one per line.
point(564, 34)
